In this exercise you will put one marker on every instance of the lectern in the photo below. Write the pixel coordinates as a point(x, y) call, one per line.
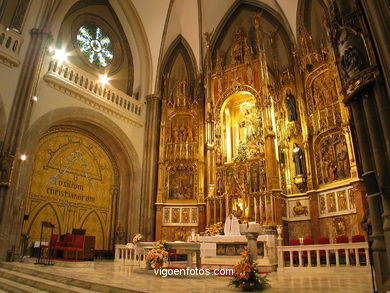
point(40, 259)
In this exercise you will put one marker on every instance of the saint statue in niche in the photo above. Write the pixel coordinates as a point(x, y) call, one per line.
point(298, 160)
point(247, 123)
point(291, 106)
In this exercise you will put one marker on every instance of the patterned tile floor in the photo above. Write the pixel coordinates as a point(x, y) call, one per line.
point(335, 281)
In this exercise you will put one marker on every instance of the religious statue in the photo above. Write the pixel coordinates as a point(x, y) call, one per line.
point(175, 134)
point(298, 160)
point(255, 180)
point(232, 226)
point(291, 106)
point(247, 123)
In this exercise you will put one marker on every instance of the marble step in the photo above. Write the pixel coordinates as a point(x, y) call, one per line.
point(7, 285)
point(30, 270)
point(39, 283)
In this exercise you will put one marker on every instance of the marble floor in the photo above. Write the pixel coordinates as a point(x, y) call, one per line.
point(353, 280)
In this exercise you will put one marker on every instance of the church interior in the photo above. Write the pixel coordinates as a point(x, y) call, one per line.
point(224, 127)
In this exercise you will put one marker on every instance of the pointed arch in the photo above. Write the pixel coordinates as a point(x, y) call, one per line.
point(268, 12)
point(38, 213)
point(178, 46)
point(104, 237)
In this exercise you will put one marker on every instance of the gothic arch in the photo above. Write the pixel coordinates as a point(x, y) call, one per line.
point(178, 46)
point(40, 209)
point(270, 13)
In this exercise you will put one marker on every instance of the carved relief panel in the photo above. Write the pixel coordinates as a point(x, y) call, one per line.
point(332, 158)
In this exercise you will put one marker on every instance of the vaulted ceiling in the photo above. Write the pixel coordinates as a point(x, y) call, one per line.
point(164, 20)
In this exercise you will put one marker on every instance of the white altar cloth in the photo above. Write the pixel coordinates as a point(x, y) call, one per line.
point(208, 249)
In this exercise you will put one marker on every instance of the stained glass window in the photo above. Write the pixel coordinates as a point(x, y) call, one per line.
point(95, 44)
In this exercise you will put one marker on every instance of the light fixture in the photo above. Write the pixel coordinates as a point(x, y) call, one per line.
point(7, 29)
point(34, 98)
point(103, 79)
point(23, 157)
point(60, 55)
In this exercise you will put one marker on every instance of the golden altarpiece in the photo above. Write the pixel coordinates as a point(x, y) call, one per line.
point(270, 141)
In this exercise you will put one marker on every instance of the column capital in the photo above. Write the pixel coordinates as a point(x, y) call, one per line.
point(152, 98)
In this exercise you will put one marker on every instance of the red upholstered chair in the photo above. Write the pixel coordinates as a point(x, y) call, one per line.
point(361, 251)
point(52, 243)
point(308, 241)
point(292, 242)
point(323, 240)
point(63, 245)
point(78, 245)
point(342, 239)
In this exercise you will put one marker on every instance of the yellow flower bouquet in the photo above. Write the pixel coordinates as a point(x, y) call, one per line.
point(137, 238)
point(216, 229)
point(158, 253)
point(246, 276)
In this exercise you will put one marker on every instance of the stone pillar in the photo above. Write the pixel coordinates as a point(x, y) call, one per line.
point(377, 13)
point(11, 203)
point(314, 216)
point(150, 159)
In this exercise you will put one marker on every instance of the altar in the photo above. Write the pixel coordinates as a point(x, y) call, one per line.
point(228, 249)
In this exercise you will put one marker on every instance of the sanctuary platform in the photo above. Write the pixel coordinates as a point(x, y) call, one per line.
point(109, 276)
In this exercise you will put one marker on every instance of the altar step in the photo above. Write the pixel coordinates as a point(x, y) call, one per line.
point(16, 277)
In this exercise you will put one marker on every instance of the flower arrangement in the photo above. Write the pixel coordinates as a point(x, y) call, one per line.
point(138, 238)
point(158, 253)
point(246, 276)
point(216, 229)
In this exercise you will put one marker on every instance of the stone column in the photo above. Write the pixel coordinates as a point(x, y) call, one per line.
point(149, 173)
point(377, 13)
point(11, 203)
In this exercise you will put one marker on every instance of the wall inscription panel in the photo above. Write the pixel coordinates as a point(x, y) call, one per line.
point(73, 185)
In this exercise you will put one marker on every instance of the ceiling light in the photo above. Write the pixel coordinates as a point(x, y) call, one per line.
point(23, 157)
point(60, 55)
point(103, 79)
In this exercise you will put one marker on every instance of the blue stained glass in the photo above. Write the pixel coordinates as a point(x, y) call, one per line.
point(95, 44)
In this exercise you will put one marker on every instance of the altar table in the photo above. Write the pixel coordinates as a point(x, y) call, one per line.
point(189, 247)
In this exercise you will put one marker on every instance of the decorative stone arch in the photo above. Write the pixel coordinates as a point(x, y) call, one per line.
point(112, 137)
